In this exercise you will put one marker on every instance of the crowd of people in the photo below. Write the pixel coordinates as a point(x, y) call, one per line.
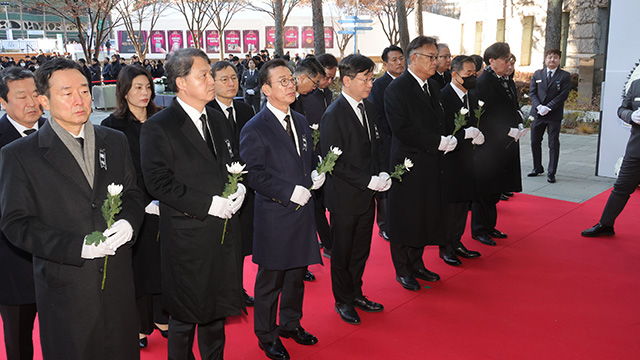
point(237, 165)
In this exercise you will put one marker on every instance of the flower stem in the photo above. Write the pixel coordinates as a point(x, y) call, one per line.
point(104, 271)
point(224, 231)
point(311, 188)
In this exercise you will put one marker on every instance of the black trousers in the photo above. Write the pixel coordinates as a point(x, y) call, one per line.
point(381, 217)
point(456, 213)
point(406, 259)
point(271, 286)
point(211, 340)
point(625, 185)
point(151, 312)
point(320, 212)
point(484, 214)
point(17, 321)
point(537, 132)
point(351, 237)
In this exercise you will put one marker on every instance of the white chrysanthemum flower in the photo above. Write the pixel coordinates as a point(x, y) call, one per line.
point(408, 164)
point(336, 150)
point(236, 168)
point(114, 190)
point(314, 126)
point(464, 111)
point(480, 103)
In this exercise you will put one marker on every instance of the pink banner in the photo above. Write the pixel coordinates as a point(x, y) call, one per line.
point(158, 42)
point(212, 39)
point(291, 37)
point(232, 41)
point(270, 36)
point(175, 40)
point(307, 37)
point(190, 40)
point(251, 41)
point(328, 37)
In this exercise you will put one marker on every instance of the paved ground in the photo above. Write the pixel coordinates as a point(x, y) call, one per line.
point(576, 181)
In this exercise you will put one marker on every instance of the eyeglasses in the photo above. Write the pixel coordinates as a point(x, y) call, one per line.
point(315, 83)
point(367, 80)
point(226, 79)
point(286, 81)
point(444, 56)
point(431, 57)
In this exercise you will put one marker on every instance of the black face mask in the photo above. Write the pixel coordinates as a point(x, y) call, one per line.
point(469, 82)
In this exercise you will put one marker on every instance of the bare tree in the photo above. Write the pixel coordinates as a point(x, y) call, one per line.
point(318, 27)
point(553, 32)
point(134, 13)
point(91, 18)
point(419, 22)
point(403, 27)
point(196, 15)
point(391, 14)
point(279, 10)
point(222, 11)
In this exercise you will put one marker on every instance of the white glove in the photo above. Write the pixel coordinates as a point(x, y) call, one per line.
point(119, 233)
point(444, 141)
point(300, 195)
point(237, 198)
point(513, 132)
point(453, 142)
point(220, 207)
point(539, 108)
point(522, 133)
point(93, 252)
point(478, 140)
point(543, 110)
point(153, 208)
point(386, 179)
point(318, 180)
point(471, 132)
point(250, 92)
point(375, 183)
point(635, 116)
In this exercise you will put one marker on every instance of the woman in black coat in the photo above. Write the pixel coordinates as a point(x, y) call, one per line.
point(134, 96)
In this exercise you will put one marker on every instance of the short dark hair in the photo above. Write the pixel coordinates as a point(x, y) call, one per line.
point(221, 65)
point(10, 74)
point(419, 42)
point(327, 60)
point(44, 72)
point(264, 74)
point(478, 60)
point(123, 86)
point(354, 64)
point(553, 52)
point(499, 50)
point(310, 66)
point(82, 61)
point(180, 62)
point(388, 49)
point(457, 64)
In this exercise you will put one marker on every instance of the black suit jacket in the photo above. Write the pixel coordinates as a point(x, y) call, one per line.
point(315, 104)
point(376, 96)
point(631, 103)
point(550, 93)
point(243, 113)
point(201, 277)
point(417, 124)
point(16, 268)
point(248, 81)
point(443, 79)
point(346, 189)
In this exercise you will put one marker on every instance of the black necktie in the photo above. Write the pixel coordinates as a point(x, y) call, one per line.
point(231, 119)
point(29, 131)
point(425, 87)
point(287, 128)
point(549, 75)
point(81, 142)
point(465, 101)
point(365, 123)
point(207, 134)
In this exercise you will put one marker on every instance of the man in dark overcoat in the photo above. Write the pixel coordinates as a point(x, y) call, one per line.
point(52, 190)
point(416, 205)
point(184, 150)
point(277, 147)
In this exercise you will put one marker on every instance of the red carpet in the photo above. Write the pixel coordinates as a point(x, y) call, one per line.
point(543, 293)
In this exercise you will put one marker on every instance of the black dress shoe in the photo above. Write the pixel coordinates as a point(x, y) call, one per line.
point(309, 276)
point(326, 253)
point(426, 275)
point(509, 193)
point(450, 259)
point(367, 305)
point(497, 234)
point(485, 239)
point(598, 230)
point(408, 282)
point(248, 300)
point(164, 333)
point(504, 197)
point(143, 343)
point(300, 335)
point(383, 234)
point(347, 313)
point(466, 253)
point(551, 178)
point(534, 172)
point(274, 350)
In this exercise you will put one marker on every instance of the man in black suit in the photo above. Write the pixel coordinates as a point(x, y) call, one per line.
point(629, 175)
point(52, 188)
point(250, 85)
point(19, 98)
point(443, 71)
point(350, 124)
point(458, 165)
point(416, 205)
point(184, 150)
point(393, 59)
point(549, 90)
point(238, 113)
point(497, 162)
point(308, 74)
